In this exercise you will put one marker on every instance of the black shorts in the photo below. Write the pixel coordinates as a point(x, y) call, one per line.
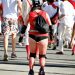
point(37, 38)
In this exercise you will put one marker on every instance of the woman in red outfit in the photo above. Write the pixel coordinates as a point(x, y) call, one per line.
point(37, 39)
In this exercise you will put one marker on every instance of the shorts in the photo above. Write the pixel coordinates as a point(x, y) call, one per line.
point(9, 26)
point(37, 38)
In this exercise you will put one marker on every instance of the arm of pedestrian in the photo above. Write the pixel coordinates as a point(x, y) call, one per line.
point(19, 6)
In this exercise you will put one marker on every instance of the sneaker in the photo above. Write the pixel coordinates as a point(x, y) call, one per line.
point(5, 57)
point(13, 55)
point(60, 52)
point(31, 72)
point(41, 71)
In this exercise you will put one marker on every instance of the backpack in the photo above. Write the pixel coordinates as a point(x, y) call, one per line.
point(41, 25)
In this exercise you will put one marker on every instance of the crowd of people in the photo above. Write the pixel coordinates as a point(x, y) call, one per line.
point(18, 16)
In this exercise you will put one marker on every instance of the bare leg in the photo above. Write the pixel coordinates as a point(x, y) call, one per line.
point(28, 51)
point(5, 48)
point(13, 42)
point(42, 51)
point(37, 51)
point(42, 55)
point(5, 44)
point(13, 55)
point(32, 44)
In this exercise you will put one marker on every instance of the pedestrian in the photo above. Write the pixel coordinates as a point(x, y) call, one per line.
point(23, 40)
point(25, 37)
point(10, 27)
point(66, 22)
point(52, 9)
point(37, 39)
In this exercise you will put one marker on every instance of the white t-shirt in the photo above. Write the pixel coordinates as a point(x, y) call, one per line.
point(67, 9)
point(50, 10)
point(10, 8)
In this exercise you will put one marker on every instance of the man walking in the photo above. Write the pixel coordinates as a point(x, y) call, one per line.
point(66, 18)
point(10, 26)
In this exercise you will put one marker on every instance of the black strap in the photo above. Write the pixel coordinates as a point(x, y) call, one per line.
point(40, 15)
point(55, 13)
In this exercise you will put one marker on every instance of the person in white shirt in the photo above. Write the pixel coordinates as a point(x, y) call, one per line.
point(10, 27)
point(26, 7)
point(52, 9)
point(66, 22)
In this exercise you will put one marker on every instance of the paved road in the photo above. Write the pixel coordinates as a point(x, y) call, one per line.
point(55, 64)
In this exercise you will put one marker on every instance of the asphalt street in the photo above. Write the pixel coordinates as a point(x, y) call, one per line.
point(55, 64)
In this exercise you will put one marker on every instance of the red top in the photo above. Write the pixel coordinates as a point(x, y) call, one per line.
point(32, 17)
